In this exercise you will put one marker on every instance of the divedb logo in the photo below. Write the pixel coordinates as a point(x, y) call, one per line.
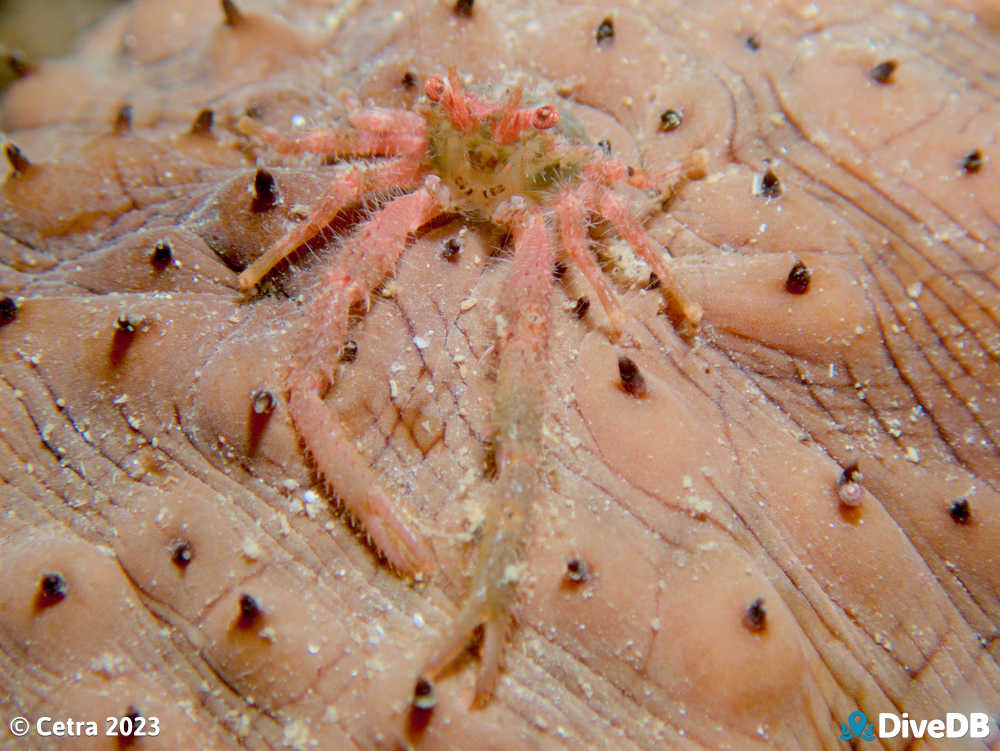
point(890, 725)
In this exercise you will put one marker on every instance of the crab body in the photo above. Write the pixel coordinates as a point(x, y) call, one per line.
point(494, 161)
point(483, 173)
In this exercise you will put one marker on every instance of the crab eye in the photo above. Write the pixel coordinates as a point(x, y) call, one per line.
point(435, 88)
point(544, 117)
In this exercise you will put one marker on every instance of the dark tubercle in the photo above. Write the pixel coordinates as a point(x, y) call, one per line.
point(463, 8)
point(16, 158)
point(123, 119)
point(973, 161)
point(51, 590)
point(632, 380)
point(421, 706)
point(162, 255)
point(203, 122)
point(231, 15)
point(798, 279)
point(671, 119)
point(250, 612)
point(755, 616)
point(960, 511)
point(181, 554)
point(605, 33)
point(882, 73)
point(770, 185)
point(265, 192)
point(8, 311)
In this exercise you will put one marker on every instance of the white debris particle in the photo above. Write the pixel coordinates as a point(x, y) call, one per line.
point(312, 649)
point(251, 549)
point(267, 633)
point(420, 342)
point(687, 482)
point(107, 664)
point(60, 402)
point(296, 735)
point(915, 289)
point(290, 485)
point(467, 304)
point(298, 121)
point(120, 400)
point(699, 507)
point(331, 714)
point(656, 624)
point(295, 506)
point(313, 503)
point(393, 389)
point(418, 620)
point(912, 455)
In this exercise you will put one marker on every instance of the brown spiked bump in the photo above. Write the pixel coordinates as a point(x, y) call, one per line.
point(631, 379)
point(882, 73)
point(250, 612)
point(263, 402)
point(51, 590)
point(755, 616)
point(770, 185)
point(16, 158)
point(181, 554)
point(409, 80)
point(8, 311)
point(753, 42)
point(231, 15)
point(605, 145)
point(162, 255)
point(960, 511)
point(421, 706)
point(127, 731)
point(671, 120)
point(798, 279)
point(17, 63)
point(463, 8)
point(581, 307)
point(605, 34)
point(452, 247)
point(577, 571)
point(265, 192)
point(123, 119)
point(973, 161)
point(349, 352)
point(203, 121)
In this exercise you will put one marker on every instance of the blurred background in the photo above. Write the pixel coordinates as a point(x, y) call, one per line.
point(31, 30)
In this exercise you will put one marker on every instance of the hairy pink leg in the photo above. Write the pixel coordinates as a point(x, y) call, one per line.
point(572, 230)
point(685, 312)
point(367, 256)
point(519, 410)
point(342, 143)
point(346, 189)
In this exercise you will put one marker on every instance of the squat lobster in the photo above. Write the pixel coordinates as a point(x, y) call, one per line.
point(499, 162)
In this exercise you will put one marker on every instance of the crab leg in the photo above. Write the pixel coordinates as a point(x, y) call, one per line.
point(684, 311)
point(345, 190)
point(372, 252)
point(572, 228)
point(342, 143)
point(519, 409)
